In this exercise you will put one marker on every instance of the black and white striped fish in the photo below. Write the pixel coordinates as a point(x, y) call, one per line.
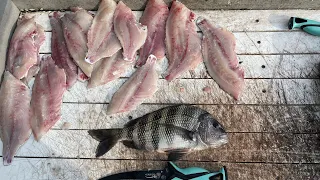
point(175, 130)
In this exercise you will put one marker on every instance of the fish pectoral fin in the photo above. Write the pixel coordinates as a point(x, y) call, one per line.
point(130, 144)
point(175, 155)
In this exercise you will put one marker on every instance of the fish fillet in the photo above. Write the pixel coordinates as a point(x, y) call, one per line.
point(14, 115)
point(218, 49)
point(24, 46)
point(102, 41)
point(82, 77)
point(131, 34)
point(47, 93)
point(140, 86)
point(154, 17)
point(182, 42)
point(108, 69)
point(60, 53)
point(75, 27)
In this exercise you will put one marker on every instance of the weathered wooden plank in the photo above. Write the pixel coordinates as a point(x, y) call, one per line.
point(235, 118)
point(257, 43)
point(40, 168)
point(256, 66)
point(256, 91)
point(242, 147)
point(233, 20)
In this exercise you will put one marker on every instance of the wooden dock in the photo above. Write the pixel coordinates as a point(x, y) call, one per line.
point(274, 129)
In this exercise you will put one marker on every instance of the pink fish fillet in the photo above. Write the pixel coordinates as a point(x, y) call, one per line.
point(14, 115)
point(154, 17)
point(182, 42)
point(140, 86)
point(218, 49)
point(60, 53)
point(131, 34)
point(102, 41)
point(108, 69)
point(24, 46)
point(75, 28)
point(47, 93)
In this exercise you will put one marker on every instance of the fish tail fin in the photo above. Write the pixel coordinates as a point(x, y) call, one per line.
point(107, 138)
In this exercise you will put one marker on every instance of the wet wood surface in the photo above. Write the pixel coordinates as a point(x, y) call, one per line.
point(273, 130)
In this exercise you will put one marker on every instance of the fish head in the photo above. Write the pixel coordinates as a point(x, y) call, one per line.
point(211, 131)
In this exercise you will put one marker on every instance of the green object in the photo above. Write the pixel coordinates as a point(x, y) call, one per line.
point(307, 25)
point(172, 172)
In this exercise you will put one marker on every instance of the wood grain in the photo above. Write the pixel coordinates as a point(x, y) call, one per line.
point(242, 147)
point(256, 91)
point(78, 169)
point(235, 118)
point(237, 20)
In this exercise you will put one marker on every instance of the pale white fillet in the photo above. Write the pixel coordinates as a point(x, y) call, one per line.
point(218, 49)
point(182, 42)
point(75, 27)
point(102, 41)
point(140, 86)
point(108, 69)
point(131, 34)
point(14, 115)
point(154, 17)
point(24, 46)
point(60, 53)
point(49, 86)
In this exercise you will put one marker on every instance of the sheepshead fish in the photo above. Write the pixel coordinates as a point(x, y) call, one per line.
point(175, 130)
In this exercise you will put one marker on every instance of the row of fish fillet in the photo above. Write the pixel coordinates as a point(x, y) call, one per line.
point(101, 48)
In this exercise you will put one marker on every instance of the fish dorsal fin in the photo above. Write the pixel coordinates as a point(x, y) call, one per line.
point(132, 122)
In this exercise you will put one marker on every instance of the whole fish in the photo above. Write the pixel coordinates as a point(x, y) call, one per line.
point(175, 130)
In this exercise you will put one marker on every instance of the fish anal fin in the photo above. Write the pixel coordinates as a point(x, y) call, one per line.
point(175, 155)
point(129, 144)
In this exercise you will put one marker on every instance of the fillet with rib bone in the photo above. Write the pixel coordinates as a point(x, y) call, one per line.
point(47, 93)
point(154, 17)
point(218, 49)
point(60, 53)
point(76, 25)
point(102, 41)
point(14, 115)
point(140, 86)
point(24, 46)
point(131, 34)
point(182, 42)
point(108, 69)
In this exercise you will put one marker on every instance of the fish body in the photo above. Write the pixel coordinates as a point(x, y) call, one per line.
point(102, 41)
point(182, 41)
point(60, 53)
point(24, 46)
point(47, 93)
point(132, 35)
point(108, 69)
point(218, 49)
point(75, 28)
point(14, 115)
point(141, 85)
point(175, 130)
point(154, 17)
